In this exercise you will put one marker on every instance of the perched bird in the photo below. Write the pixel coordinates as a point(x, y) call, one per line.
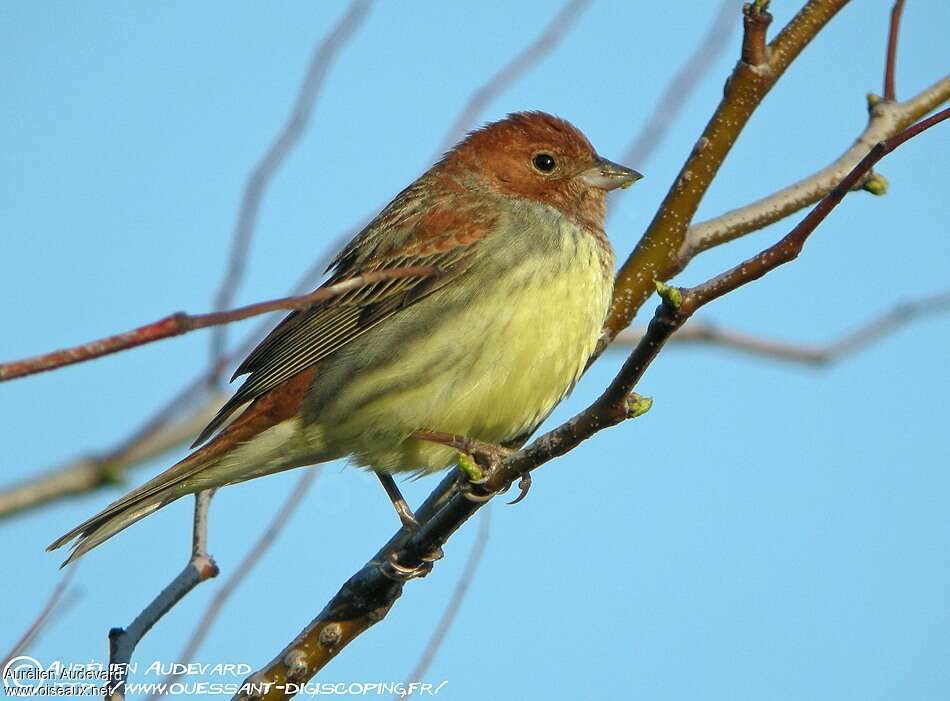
point(513, 217)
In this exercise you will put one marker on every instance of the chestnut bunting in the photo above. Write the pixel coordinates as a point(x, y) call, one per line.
point(513, 218)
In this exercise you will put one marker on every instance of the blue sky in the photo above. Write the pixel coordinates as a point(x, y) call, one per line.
point(765, 532)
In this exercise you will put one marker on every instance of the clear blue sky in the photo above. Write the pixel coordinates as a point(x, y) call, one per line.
point(765, 532)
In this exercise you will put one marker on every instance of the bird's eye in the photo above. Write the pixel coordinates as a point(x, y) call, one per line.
point(544, 162)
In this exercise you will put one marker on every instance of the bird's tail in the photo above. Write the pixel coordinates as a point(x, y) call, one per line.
point(139, 503)
point(267, 437)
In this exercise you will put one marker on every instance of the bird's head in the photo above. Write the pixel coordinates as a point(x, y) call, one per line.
point(540, 157)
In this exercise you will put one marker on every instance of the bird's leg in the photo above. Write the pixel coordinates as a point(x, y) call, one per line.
point(405, 514)
point(477, 460)
point(394, 569)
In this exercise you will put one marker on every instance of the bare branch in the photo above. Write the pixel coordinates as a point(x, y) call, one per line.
point(791, 245)
point(690, 74)
point(274, 157)
point(181, 323)
point(891, 61)
point(656, 255)
point(241, 572)
point(200, 568)
point(54, 604)
point(885, 120)
point(368, 595)
point(706, 333)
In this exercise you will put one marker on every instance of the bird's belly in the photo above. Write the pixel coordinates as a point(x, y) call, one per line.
point(490, 364)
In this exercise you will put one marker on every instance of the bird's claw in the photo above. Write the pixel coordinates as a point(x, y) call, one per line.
point(524, 484)
point(397, 572)
point(468, 490)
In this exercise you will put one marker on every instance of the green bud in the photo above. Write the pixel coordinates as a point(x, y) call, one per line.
point(638, 405)
point(670, 294)
point(877, 184)
point(468, 467)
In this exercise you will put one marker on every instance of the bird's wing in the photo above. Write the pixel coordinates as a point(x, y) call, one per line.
point(437, 236)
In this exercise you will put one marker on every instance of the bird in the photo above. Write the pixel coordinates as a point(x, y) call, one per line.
point(512, 218)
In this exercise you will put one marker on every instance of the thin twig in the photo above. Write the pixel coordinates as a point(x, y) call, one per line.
point(200, 568)
point(181, 323)
point(369, 594)
point(455, 602)
point(890, 63)
point(54, 604)
point(273, 158)
point(241, 572)
point(681, 86)
point(707, 333)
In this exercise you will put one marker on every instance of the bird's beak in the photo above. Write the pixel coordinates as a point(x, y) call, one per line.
point(608, 175)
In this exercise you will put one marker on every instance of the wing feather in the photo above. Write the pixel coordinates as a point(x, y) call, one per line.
point(441, 238)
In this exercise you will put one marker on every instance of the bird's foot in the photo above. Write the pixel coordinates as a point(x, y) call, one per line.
point(477, 462)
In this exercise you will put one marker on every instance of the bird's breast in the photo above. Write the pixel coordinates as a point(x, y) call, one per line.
point(495, 351)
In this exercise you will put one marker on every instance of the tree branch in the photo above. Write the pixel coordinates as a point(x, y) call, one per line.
point(885, 120)
point(368, 595)
point(706, 333)
point(656, 255)
point(273, 158)
point(182, 323)
point(200, 568)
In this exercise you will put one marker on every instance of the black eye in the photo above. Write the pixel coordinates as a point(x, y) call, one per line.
point(544, 162)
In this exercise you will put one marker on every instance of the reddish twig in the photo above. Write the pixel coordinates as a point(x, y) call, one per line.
point(273, 158)
point(181, 323)
point(200, 568)
point(240, 573)
point(890, 64)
